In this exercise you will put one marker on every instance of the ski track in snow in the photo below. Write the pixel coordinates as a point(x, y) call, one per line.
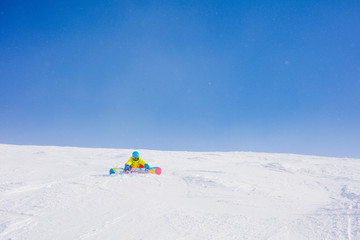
point(67, 193)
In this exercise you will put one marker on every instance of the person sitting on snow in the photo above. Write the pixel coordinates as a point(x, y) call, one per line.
point(136, 162)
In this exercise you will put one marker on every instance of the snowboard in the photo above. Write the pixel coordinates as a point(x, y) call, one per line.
point(153, 170)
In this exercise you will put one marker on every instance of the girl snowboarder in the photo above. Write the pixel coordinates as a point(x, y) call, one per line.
point(136, 162)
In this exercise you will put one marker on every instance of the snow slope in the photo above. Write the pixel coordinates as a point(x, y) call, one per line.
point(66, 193)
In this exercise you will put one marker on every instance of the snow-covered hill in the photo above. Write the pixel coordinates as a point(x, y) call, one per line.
point(67, 193)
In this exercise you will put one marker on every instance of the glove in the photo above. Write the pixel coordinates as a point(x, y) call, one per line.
point(127, 167)
point(147, 166)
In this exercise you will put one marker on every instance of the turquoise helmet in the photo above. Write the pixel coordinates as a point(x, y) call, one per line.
point(135, 154)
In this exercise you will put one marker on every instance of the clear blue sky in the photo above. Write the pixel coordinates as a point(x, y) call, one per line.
point(265, 76)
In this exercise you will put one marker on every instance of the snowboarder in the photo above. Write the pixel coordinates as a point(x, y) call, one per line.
point(136, 162)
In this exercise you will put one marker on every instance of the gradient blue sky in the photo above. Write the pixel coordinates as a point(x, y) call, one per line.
point(265, 76)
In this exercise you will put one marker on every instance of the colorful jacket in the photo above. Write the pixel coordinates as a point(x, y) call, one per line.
point(136, 164)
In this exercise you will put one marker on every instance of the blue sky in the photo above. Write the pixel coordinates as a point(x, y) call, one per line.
point(265, 76)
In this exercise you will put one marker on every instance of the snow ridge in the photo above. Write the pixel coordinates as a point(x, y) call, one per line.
point(67, 193)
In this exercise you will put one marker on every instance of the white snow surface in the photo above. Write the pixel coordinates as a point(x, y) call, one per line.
point(67, 193)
